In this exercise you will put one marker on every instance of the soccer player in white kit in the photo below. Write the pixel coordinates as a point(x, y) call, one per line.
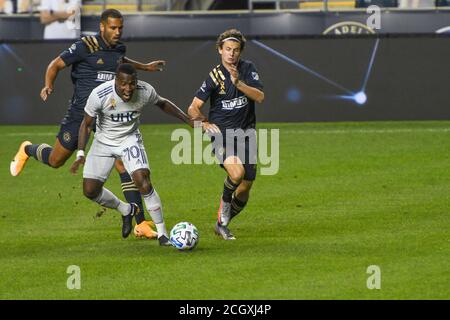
point(117, 104)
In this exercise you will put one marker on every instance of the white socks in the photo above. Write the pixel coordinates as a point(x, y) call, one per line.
point(154, 206)
point(107, 199)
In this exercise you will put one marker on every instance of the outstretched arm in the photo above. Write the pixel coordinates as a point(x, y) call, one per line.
point(53, 69)
point(151, 66)
point(170, 108)
point(83, 139)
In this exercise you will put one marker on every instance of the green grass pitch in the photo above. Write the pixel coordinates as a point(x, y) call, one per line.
point(347, 196)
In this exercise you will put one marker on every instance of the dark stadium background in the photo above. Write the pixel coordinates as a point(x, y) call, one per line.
point(408, 80)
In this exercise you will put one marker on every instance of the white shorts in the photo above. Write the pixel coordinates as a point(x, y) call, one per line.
point(101, 157)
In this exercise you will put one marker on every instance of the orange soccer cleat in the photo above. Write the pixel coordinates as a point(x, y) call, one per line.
point(20, 159)
point(144, 230)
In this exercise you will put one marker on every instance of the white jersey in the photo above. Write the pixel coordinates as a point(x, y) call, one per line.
point(116, 119)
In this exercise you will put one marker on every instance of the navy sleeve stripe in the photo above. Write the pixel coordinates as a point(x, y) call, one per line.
point(105, 93)
point(105, 89)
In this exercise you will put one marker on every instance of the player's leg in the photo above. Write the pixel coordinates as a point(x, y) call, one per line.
point(242, 193)
point(55, 157)
point(66, 143)
point(129, 189)
point(93, 189)
point(152, 202)
point(98, 166)
point(135, 160)
point(240, 198)
point(235, 173)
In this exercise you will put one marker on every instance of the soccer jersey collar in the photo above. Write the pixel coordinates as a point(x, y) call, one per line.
point(103, 44)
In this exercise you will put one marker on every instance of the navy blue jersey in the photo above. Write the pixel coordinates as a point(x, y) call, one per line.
point(93, 63)
point(230, 108)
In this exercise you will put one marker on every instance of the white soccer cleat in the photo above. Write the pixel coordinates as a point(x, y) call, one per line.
point(224, 213)
point(16, 166)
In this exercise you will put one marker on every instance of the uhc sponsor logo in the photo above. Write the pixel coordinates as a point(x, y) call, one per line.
point(236, 103)
point(124, 117)
point(103, 76)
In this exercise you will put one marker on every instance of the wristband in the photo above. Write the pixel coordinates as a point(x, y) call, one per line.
point(80, 153)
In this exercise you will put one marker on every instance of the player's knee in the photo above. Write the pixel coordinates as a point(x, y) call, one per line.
point(55, 162)
point(91, 192)
point(236, 175)
point(145, 187)
point(141, 179)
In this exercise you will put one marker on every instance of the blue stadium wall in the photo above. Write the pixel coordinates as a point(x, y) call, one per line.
point(306, 78)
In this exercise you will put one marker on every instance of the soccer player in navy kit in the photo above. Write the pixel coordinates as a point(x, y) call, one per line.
point(233, 87)
point(94, 60)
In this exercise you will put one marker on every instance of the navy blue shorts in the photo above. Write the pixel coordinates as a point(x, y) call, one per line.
point(241, 144)
point(68, 135)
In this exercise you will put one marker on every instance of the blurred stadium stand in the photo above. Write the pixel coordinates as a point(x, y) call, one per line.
point(130, 6)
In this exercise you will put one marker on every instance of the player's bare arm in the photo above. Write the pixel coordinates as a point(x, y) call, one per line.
point(157, 65)
point(196, 115)
point(83, 139)
point(251, 92)
point(53, 69)
point(170, 108)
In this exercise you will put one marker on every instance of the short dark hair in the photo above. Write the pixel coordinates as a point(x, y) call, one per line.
point(126, 68)
point(110, 13)
point(231, 33)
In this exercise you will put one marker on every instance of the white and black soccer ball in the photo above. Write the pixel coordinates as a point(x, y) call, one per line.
point(184, 236)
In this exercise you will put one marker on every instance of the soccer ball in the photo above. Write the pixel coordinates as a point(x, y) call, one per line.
point(184, 236)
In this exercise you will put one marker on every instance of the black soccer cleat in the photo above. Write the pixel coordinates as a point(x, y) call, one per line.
point(164, 241)
point(127, 221)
